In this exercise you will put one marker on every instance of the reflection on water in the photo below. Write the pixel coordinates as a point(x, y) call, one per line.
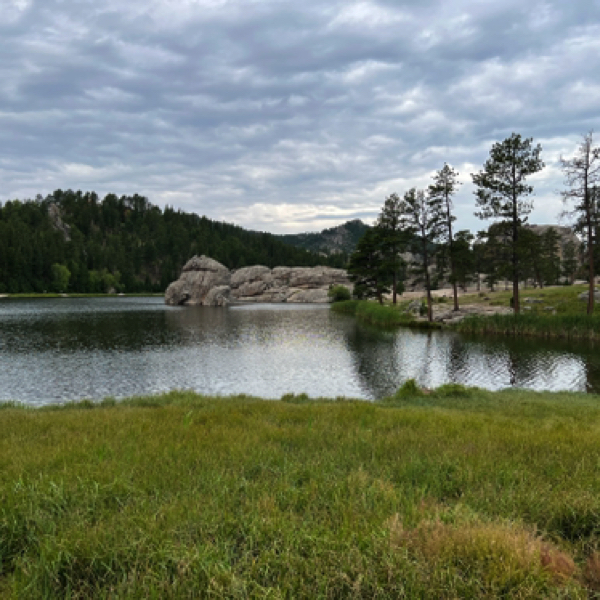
point(66, 349)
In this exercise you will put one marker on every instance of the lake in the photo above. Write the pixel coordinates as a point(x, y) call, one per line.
point(55, 350)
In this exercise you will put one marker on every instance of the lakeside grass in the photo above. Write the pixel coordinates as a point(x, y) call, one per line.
point(562, 299)
point(554, 312)
point(565, 326)
point(383, 315)
point(450, 493)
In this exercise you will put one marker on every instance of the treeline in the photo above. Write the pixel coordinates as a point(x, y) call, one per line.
point(420, 225)
point(76, 242)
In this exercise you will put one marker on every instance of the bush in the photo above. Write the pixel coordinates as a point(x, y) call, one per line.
point(339, 293)
point(408, 389)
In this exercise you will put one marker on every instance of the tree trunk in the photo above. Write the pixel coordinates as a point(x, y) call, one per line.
point(590, 306)
point(427, 283)
point(394, 283)
point(451, 257)
point(515, 258)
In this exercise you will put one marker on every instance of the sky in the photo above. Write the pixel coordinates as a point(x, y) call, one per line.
point(287, 116)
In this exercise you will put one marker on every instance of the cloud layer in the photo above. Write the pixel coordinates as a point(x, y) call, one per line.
point(286, 116)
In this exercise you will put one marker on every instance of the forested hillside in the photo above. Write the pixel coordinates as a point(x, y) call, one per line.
point(336, 240)
point(77, 242)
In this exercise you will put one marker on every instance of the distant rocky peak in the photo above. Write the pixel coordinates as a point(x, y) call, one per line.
point(55, 217)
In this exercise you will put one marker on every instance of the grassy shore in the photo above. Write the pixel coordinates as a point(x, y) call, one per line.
point(562, 299)
point(553, 312)
point(453, 493)
point(383, 315)
point(564, 326)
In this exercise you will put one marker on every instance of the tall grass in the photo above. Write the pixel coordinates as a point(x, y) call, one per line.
point(568, 326)
point(384, 315)
point(448, 493)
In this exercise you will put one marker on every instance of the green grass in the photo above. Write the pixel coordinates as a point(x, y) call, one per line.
point(565, 326)
point(449, 493)
point(561, 298)
point(383, 315)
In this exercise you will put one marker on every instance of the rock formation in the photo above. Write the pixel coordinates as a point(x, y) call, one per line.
point(206, 282)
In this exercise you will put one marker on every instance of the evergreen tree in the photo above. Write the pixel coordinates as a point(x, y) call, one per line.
point(582, 178)
point(502, 189)
point(550, 257)
point(464, 259)
point(569, 262)
point(392, 240)
point(445, 184)
point(368, 268)
point(421, 216)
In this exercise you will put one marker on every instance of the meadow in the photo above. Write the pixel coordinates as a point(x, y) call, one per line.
point(447, 493)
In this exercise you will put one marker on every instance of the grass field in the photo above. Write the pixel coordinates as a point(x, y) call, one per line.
point(563, 299)
point(452, 493)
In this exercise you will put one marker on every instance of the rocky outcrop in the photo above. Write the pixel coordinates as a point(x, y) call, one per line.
point(57, 222)
point(199, 276)
point(206, 282)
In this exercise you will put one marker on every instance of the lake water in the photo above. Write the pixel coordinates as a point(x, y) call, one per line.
point(68, 349)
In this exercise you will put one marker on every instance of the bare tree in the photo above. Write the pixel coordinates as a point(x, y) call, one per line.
point(582, 178)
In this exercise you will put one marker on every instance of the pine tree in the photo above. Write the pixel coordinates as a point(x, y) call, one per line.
point(502, 189)
point(582, 178)
point(445, 184)
point(392, 239)
point(421, 216)
point(367, 268)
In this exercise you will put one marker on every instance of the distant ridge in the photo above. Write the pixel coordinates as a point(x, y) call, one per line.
point(336, 240)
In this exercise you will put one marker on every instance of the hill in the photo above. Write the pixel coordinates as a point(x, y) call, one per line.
point(336, 240)
point(76, 242)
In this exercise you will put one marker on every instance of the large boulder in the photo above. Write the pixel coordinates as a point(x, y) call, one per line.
point(584, 296)
point(205, 281)
point(217, 296)
point(249, 275)
point(314, 296)
point(199, 276)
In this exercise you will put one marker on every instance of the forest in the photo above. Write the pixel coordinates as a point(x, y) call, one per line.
point(71, 241)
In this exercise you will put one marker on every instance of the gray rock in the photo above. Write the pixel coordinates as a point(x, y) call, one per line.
point(199, 276)
point(203, 281)
point(217, 296)
point(249, 275)
point(414, 306)
point(252, 288)
point(316, 296)
point(584, 295)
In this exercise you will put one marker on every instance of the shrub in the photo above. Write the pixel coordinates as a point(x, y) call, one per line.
point(339, 293)
point(408, 389)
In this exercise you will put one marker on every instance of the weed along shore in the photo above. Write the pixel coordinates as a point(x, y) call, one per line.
point(448, 493)
point(557, 312)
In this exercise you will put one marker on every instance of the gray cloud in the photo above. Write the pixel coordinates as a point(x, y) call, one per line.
point(288, 116)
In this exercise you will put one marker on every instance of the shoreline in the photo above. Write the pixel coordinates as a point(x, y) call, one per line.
point(82, 295)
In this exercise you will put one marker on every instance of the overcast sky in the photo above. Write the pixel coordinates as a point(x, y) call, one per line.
point(289, 116)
